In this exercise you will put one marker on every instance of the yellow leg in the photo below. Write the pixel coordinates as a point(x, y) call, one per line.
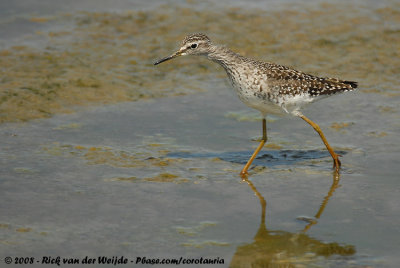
point(335, 156)
point(260, 146)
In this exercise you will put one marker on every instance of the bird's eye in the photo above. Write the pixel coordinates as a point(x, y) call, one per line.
point(193, 46)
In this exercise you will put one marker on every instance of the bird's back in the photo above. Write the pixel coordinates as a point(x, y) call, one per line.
point(261, 84)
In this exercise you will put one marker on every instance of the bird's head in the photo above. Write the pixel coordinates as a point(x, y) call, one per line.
point(193, 44)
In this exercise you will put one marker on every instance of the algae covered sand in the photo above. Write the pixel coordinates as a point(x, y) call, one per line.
point(106, 57)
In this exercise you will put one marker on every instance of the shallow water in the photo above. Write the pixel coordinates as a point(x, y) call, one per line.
point(157, 177)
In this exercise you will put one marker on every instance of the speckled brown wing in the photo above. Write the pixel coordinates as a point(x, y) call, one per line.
point(292, 82)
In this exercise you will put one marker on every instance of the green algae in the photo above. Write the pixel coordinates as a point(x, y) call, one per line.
point(107, 57)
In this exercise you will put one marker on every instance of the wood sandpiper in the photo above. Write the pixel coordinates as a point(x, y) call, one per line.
point(266, 87)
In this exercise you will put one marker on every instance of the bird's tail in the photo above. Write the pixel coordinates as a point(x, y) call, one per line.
point(352, 84)
point(331, 86)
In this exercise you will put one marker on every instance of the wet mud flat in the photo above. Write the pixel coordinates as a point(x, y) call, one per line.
point(132, 160)
point(126, 176)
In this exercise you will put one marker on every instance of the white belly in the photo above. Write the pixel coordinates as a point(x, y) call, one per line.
point(255, 102)
point(254, 95)
point(259, 96)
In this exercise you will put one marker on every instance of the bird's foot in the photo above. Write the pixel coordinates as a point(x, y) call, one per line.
point(336, 162)
point(243, 173)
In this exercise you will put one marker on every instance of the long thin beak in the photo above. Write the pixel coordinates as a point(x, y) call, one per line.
point(176, 54)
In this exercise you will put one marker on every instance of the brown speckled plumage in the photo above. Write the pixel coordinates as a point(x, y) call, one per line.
point(195, 37)
point(263, 85)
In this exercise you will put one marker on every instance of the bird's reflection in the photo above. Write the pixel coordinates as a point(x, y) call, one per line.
point(285, 249)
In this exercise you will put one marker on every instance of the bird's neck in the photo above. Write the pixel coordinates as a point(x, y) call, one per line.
point(224, 57)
